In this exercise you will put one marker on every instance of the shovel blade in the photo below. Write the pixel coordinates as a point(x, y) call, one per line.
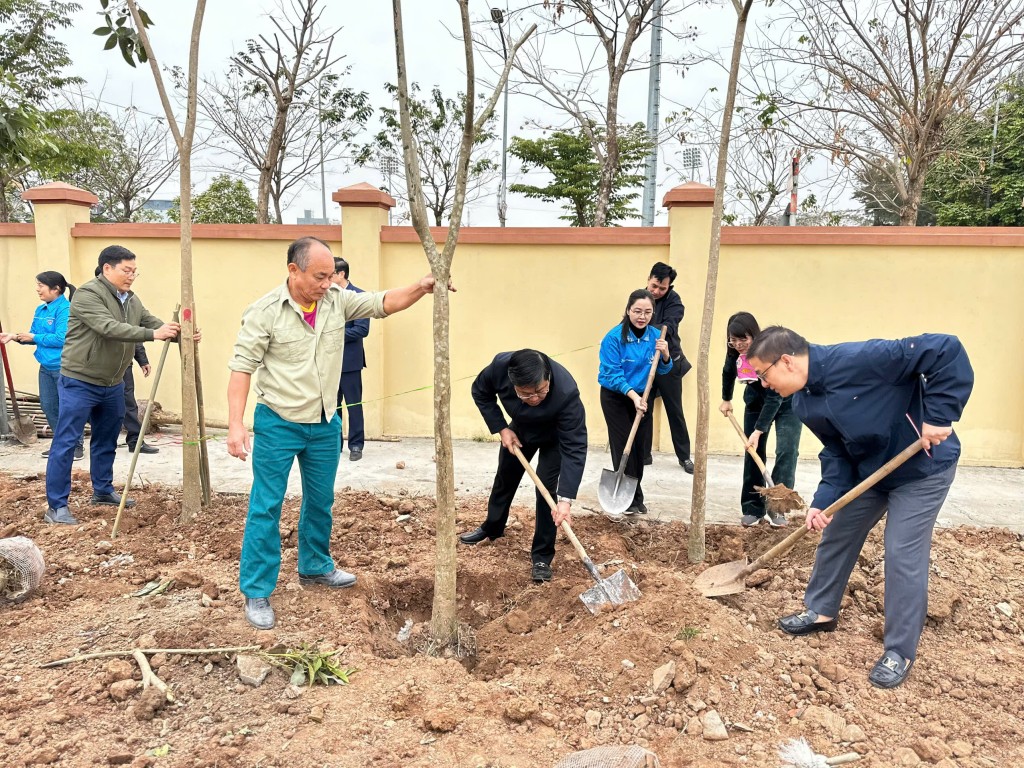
point(617, 589)
point(24, 430)
point(721, 580)
point(614, 500)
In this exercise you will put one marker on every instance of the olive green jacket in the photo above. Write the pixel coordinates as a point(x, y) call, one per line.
point(103, 332)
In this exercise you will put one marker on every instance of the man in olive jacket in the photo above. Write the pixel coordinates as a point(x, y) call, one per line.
point(105, 323)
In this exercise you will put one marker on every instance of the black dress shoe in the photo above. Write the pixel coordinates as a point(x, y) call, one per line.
point(541, 572)
point(476, 536)
point(109, 500)
point(805, 623)
point(355, 455)
point(648, 461)
point(890, 671)
point(687, 465)
point(146, 448)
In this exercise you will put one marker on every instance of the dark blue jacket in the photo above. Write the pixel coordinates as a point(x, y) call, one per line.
point(354, 358)
point(857, 399)
point(625, 365)
point(50, 326)
point(559, 418)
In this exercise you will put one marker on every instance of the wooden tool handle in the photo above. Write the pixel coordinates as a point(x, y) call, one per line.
point(10, 381)
point(886, 469)
point(551, 502)
point(751, 451)
point(647, 392)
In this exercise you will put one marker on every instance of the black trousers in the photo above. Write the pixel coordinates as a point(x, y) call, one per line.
point(619, 413)
point(669, 387)
point(132, 425)
point(506, 483)
point(350, 391)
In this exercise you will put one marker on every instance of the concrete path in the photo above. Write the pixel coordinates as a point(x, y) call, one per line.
point(981, 496)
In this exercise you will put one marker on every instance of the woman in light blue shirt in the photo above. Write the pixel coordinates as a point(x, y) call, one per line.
point(627, 351)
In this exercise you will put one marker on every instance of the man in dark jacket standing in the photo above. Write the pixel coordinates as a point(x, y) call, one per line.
point(105, 322)
point(668, 311)
point(866, 402)
point(350, 390)
point(543, 402)
point(132, 424)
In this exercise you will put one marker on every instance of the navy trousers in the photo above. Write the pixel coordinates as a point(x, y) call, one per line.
point(103, 407)
point(351, 392)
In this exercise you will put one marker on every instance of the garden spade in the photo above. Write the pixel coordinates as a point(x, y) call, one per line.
point(22, 426)
point(616, 490)
point(778, 498)
point(617, 589)
point(728, 578)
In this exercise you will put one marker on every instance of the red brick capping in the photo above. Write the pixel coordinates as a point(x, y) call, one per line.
point(689, 195)
point(59, 192)
point(328, 232)
point(17, 230)
point(623, 236)
point(363, 195)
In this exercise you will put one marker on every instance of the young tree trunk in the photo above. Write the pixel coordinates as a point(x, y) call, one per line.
point(696, 546)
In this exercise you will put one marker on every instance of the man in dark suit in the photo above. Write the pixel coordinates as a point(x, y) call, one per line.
point(350, 389)
point(132, 425)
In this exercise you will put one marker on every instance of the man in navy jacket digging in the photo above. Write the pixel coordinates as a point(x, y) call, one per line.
point(866, 402)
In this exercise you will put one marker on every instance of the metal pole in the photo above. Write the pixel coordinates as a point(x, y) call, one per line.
point(498, 17)
point(320, 124)
point(653, 104)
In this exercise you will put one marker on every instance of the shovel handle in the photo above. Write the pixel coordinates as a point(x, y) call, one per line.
point(10, 381)
point(787, 543)
point(751, 451)
point(551, 502)
point(639, 416)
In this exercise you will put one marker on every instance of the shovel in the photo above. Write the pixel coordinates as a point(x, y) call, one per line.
point(616, 490)
point(728, 578)
point(22, 426)
point(617, 589)
point(778, 499)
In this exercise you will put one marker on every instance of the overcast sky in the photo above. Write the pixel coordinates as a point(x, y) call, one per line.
point(366, 38)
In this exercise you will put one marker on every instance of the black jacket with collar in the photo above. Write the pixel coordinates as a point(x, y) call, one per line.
point(669, 311)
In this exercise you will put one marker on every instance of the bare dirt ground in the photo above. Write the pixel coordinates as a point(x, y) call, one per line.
point(546, 678)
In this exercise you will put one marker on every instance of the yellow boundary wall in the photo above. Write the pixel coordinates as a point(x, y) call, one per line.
point(560, 290)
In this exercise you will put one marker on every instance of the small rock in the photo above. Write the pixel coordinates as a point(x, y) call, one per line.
point(593, 718)
point(641, 721)
point(1006, 609)
point(694, 727)
point(293, 691)
point(121, 758)
point(961, 748)
point(905, 756)
point(853, 734)
point(252, 670)
point(830, 670)
point(102, 548)
point(407, 507)
point(520, 710)
point(549, 719)
point(118, 669)
point(148, 704)
point(931, 749)
point(399, 465)
point(441, 720)
point(402, 518)
point(316, 715)
point(44, 756)
point(627, 664)
point(663, 677)
point(713, 727)
point(123, 689)
point(825, 719)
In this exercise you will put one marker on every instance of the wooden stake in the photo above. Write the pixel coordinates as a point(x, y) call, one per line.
point(149, 652)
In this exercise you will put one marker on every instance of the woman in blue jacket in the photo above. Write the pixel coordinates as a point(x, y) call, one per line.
point(49, 327)
point(627, 351)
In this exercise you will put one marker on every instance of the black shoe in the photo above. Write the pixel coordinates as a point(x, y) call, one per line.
point(337, 578)
point(476, 536)
point(259, 612)
point(46, 454)
point(61, 516)
point(805, 623)
point(109, 500)
point(648, 460)
point(355, 455)
point(541, 572)
point(146, 448)
point(890, 671)
point(687, 465)
point(79, 453)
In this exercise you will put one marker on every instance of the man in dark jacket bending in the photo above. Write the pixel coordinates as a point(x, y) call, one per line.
point(866, 402)
point(543, 402)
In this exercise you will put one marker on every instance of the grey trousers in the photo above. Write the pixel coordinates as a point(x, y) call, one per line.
point(912, 509)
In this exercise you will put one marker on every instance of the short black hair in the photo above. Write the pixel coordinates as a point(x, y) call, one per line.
point(114, 255)
point(340, 265)
point(298, 252)
point(528, 368)
point(775, 341)
point(661, 270)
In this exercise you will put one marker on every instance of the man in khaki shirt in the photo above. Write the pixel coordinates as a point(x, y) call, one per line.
point(293, 339)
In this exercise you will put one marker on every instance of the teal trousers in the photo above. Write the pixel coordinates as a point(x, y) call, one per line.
point(276, 445)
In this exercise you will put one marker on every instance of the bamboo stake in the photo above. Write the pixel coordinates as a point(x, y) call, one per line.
point(204, 450)
point(149, 652)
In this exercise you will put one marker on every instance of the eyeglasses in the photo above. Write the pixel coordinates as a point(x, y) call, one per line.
point(737, 343)
point(128, 272)
point(540, 394)
point(641, 312)
point(763, 374)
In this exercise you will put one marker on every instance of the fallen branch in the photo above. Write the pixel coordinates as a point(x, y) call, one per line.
point(149, 652)
point(149, 677)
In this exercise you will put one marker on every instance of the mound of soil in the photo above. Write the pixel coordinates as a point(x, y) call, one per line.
point(699, 682)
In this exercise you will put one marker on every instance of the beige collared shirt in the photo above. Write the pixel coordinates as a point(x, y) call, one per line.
point(298, 368)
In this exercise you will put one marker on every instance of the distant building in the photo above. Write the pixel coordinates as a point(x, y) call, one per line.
point(308, 218)
point(159, 206)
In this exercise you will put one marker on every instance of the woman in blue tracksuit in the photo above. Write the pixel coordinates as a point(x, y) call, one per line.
point(627, 351)
point(49, 326)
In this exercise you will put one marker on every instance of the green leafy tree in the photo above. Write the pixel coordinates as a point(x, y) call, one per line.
point(576, 173)
point(437, 125)
point(226, 201)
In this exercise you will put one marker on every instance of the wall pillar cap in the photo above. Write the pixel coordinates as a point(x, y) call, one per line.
point(363, 195)
point(689, 195)
point(59, 192)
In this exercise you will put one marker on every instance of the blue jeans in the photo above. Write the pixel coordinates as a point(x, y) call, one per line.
point(49, 400)
point(277, 443)
point(80, 402)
